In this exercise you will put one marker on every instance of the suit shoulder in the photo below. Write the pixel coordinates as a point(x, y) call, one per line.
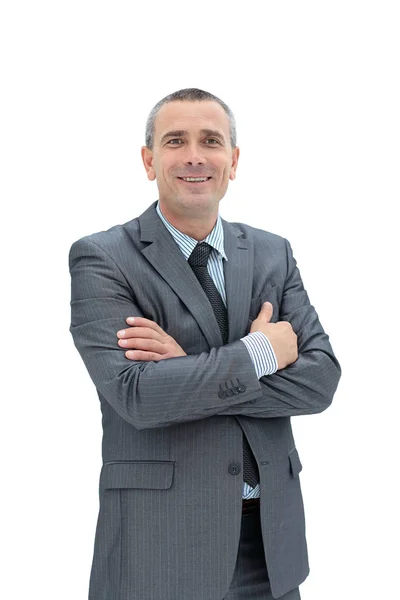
point(109, 240)
point(260, 235)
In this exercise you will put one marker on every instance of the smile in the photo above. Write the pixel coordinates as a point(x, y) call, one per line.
point(194, 179)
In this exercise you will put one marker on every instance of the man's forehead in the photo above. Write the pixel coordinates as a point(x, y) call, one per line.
point(193, 116)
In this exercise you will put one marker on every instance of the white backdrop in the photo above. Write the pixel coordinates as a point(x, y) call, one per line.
point(314, 87)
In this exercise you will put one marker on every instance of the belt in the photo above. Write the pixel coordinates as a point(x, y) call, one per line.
point(250, 505)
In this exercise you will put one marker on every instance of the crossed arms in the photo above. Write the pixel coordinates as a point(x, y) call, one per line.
point(183, 388)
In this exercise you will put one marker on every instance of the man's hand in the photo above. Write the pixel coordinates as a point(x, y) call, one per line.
point(149, 341)
point(280, 335)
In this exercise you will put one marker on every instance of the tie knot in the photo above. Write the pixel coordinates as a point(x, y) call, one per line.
point(200, 255)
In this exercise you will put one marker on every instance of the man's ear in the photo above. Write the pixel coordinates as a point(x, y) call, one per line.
point(147, 157)
point(235, 159)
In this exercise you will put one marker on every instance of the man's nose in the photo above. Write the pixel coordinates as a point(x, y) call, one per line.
point(194, 155)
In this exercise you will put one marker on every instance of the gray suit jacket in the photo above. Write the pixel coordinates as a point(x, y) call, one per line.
point(171, 482)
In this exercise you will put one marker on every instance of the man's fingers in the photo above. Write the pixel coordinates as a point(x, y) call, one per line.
point(267, 310)
point(130, 332)
point(143, 356)
point(143, 322)
point(141, 344)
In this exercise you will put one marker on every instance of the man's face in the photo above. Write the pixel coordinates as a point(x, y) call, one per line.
point(191, 140)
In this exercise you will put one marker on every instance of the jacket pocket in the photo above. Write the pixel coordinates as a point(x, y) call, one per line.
point(267, 295)
point(140, 474)
point(295, 464)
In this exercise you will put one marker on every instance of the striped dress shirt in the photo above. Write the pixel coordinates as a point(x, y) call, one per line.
point(260, 350)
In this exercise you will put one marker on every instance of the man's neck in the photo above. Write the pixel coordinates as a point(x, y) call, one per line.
point(196, 227)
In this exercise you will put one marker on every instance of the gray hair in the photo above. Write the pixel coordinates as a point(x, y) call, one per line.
point(190, 94)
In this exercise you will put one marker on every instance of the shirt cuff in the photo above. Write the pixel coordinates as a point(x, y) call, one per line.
point(261, 353)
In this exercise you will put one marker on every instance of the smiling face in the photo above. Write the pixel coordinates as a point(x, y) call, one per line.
point(191, 140)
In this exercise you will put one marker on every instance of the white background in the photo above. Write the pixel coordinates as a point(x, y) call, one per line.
point(314, 87)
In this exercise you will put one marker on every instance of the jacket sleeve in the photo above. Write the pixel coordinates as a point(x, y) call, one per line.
point(307, 386)
point(146, 394)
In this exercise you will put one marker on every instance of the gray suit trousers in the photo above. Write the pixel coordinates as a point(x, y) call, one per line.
point(250, 579)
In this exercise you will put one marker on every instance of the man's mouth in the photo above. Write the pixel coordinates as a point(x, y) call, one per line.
point(194, 179)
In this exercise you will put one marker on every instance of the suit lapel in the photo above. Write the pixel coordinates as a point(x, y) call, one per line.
point(166, 258)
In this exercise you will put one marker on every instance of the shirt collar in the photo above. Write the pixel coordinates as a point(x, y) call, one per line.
point(187, 244)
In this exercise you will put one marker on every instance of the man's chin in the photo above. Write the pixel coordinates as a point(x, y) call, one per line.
point(187, 201)
point(195, 199)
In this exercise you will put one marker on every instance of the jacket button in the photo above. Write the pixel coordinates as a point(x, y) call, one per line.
point(228, 392)
point(236, 390)
point(222, 394)
point(242, 388)
point(234, 469)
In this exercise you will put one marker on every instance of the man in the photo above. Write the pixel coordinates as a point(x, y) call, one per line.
point(202, 343)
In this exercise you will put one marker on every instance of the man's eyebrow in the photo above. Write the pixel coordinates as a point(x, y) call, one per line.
point(182, 132)
point(176, 133)
point(213, 133)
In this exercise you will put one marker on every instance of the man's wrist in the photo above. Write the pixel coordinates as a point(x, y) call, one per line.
point(261, 353)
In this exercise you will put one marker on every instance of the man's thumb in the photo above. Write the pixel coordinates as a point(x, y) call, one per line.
point(267, 309)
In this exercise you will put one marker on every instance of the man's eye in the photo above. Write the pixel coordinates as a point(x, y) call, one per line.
point(211, 140)
point(174, 140)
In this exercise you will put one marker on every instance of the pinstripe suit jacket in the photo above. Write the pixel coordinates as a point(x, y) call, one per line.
point(170, 487)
